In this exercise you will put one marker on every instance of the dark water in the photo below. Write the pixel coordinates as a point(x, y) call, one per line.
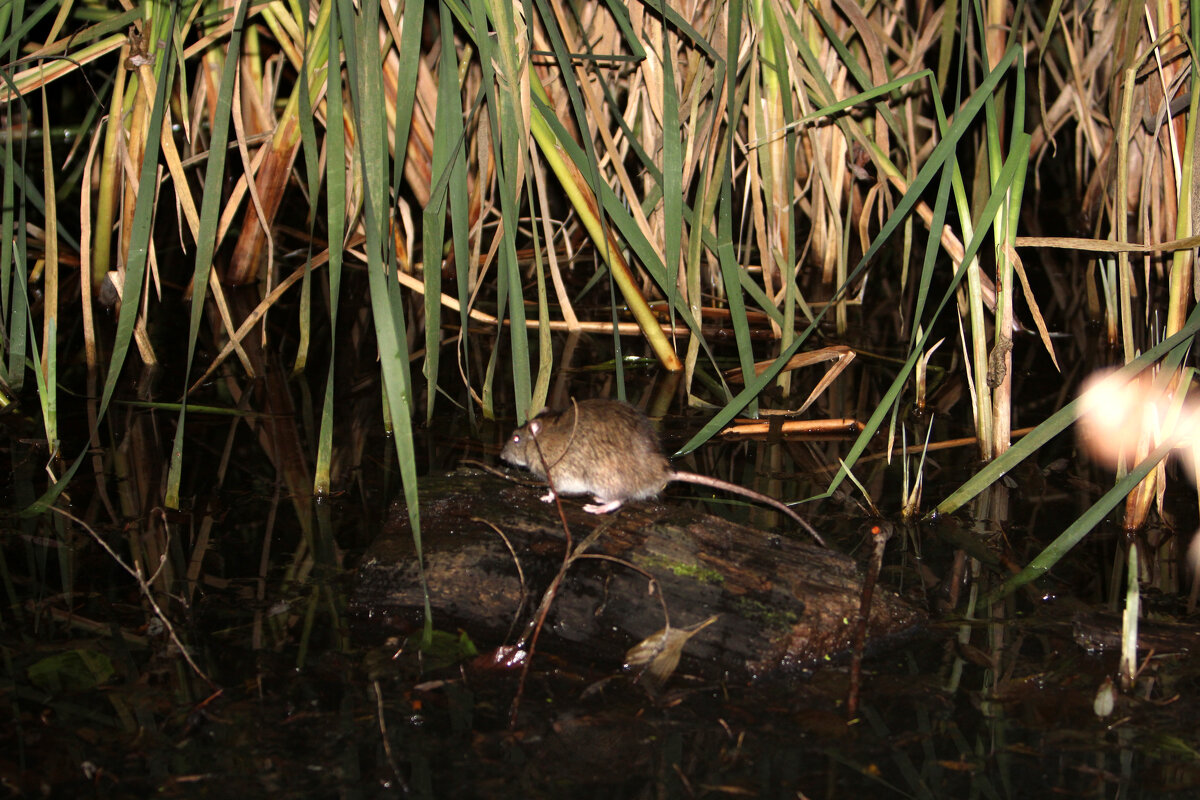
point(298, 699)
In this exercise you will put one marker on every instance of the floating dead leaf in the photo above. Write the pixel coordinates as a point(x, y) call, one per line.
point(658, 654)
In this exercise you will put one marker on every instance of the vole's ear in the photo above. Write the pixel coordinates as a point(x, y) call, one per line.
point(535, 427)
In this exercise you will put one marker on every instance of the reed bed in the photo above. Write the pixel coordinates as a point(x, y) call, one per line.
point(486, 164)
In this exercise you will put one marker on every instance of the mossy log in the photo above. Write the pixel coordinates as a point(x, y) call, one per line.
point(780, 603)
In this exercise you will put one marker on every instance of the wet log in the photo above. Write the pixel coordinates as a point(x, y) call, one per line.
point(1097, 631)
point(780, 603)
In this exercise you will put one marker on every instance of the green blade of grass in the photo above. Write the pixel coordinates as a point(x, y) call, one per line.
point(312, 170)
point(727, 260)
point(363, 62)
point(139, 237)
point(14, 312)
point(1083, 525)
point(48, 388)
point(460, 225)
point(210, 212)
point(498, 59)
point(672, 168)
point(446, 149)
point(335, 217)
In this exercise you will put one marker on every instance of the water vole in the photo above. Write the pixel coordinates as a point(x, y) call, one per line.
point(607, 449)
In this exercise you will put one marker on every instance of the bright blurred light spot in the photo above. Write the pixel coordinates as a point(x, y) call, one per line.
point(1112, 415)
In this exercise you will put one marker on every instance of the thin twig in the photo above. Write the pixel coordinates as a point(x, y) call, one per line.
point(881, 533)
point(145, 587)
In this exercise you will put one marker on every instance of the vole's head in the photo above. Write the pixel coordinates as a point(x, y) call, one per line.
point(517, 450)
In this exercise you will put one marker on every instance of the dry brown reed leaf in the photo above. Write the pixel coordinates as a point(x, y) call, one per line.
point(263, 207)
point(269, 182)
point(556, 278)
point(835, 352)
point(840, 428)
point(182, 191)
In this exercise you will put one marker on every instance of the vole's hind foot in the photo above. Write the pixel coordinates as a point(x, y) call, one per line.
point(548, 497)
point(603, 508)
